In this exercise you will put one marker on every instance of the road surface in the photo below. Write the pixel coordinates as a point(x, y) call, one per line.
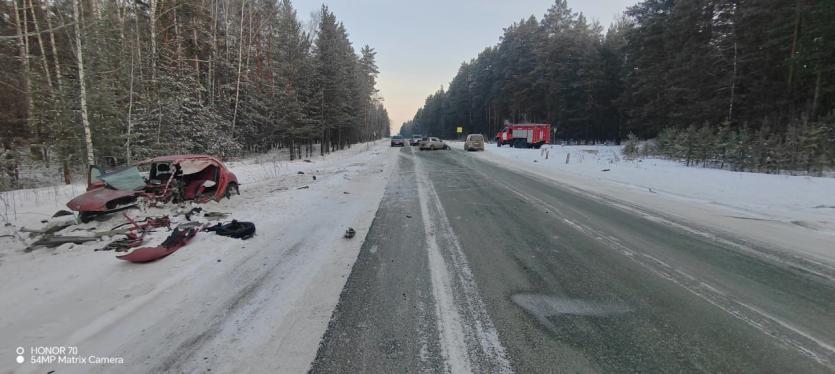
point(469, 267)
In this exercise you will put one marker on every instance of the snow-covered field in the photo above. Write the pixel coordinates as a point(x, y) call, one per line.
point(265, 301)
point(791, 212)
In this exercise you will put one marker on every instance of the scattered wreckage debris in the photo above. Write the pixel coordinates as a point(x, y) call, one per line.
point(51, 241)
point(50, 228)
point(235, 229)
point(350, 233)
point(62, 213)
point(215, 216)
point(303, 188)
point(181, 236)
point(136, 236)
point(193, 211)
point(134, 232)
point(197, 178)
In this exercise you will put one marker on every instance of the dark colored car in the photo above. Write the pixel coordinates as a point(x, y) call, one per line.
point(397, 141)
point(198, 178)
point(415, 140)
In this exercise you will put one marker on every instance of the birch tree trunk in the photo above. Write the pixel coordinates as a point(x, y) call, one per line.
point(213, 54)
point(153, 27)
point(130, 112)
point(88, 135)
point(24, 59)
point(55, 59)
point(240, 64)
point(40, 45)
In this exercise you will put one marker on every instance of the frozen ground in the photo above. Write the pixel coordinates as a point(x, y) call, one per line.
point(790, 212)
point(265, 301)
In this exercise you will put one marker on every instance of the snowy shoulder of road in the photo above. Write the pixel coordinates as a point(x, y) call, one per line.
point(790, 212)
point(219, 304)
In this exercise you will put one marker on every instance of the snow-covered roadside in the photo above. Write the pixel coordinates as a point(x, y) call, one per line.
point(795, 213)
point(27, 207)
point(260, 305)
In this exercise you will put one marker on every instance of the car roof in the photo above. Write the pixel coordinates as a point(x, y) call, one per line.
point(177, 158)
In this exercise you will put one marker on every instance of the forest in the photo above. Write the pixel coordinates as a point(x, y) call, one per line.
point(95, 81)
point(744, 84)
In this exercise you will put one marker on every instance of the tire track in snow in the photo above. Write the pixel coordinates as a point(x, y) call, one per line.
point(463, 336)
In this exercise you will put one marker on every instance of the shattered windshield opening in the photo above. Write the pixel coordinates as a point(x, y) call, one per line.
point(126, 179)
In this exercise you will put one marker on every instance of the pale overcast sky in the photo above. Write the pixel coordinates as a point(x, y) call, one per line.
point(420, 44)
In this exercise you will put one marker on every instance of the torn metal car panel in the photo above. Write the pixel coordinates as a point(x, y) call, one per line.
point(198, 178)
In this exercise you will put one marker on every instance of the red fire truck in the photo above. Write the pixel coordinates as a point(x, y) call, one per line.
point(524, 136)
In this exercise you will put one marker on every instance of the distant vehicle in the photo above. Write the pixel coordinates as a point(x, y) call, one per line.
point(431, 144)
point(415, 140)
point(531, 135)
point(397, 141)
point(197, 178)
point(474, 142)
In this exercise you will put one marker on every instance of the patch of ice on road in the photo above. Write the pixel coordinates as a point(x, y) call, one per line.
point(543, 306)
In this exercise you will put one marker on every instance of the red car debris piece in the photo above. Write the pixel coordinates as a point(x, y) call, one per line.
point(181, 236)
point(198, 178)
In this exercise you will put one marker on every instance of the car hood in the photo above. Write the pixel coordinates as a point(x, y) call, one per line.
point(96, 200)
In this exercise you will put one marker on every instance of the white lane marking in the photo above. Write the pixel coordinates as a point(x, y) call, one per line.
point(453, 328)
point(450, 328)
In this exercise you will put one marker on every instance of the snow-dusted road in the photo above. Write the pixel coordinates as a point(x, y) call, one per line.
point(473, 267)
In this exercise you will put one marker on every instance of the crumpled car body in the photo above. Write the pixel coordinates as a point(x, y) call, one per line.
point(198, 178)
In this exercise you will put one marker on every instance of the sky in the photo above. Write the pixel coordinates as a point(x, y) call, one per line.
point(421, 44)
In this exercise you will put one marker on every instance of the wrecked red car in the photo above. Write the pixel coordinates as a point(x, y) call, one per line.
point(198, 178)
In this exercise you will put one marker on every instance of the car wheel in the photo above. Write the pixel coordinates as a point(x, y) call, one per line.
point(230, 187)
point(85, 217)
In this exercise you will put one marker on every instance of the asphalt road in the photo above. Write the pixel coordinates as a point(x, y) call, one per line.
point(470, 267)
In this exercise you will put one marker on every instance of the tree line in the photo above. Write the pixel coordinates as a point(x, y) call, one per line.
point(89, 80)
point(760, 69)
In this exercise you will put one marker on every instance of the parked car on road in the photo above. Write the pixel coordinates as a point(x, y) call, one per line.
point(431, 144)
point(397, 141)
point(415, 140)
point(474, 142)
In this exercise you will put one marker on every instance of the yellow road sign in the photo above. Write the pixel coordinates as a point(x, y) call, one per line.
point(459, 129)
